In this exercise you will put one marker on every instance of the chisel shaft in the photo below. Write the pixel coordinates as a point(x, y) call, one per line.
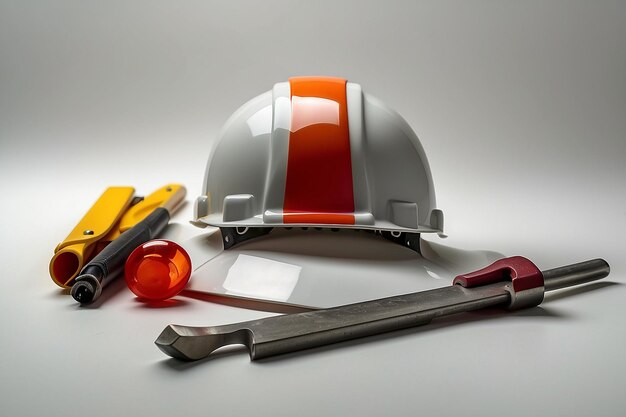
point(292, 332)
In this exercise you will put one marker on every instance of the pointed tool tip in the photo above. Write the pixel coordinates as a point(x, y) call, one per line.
point(167, 337)
point(166, 340)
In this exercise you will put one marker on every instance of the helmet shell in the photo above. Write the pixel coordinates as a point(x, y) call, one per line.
point(318, 151)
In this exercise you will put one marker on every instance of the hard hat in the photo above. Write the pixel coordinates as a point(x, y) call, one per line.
point(318, 152)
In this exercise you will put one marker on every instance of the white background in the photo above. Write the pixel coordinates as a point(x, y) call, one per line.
point(521, 107)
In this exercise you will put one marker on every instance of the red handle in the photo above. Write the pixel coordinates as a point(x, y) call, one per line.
point(524, 275)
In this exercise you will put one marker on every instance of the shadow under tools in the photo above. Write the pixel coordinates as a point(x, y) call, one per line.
point(181, 365)
point(62, 292)
point(169, 303)
point(258, 305)
point(539, 312)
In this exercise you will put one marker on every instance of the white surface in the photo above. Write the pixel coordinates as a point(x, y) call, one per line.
point(323, 269)
point(520, 107)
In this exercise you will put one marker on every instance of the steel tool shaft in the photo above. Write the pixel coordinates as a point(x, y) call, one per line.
point(501, 284)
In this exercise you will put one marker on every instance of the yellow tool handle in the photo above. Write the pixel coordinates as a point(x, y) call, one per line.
point(168, 197)
point(70, 255)
point(104, 222)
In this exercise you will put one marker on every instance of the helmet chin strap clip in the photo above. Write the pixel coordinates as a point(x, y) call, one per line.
point(232, 236)
point(406, 239)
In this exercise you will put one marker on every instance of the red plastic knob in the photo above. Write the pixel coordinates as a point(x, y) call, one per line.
point(158, 270)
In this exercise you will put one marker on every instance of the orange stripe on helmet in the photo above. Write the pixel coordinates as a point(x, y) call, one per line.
point(319, 187)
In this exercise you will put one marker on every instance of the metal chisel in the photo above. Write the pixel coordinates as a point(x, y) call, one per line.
point(510, 282)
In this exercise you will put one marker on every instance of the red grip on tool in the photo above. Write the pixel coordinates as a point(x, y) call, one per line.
point(520, 271)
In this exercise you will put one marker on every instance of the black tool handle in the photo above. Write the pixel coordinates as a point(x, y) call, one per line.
point(109, 263)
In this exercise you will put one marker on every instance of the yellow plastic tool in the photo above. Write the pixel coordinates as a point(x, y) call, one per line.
point(111, 215)
point(168, 197)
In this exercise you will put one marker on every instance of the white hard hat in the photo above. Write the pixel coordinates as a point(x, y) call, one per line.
point(318, 152)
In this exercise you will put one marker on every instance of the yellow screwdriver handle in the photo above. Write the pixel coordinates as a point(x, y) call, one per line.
point(71, 254)
point(168, 197)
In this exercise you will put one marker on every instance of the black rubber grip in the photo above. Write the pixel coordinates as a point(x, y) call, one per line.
point(112, 259)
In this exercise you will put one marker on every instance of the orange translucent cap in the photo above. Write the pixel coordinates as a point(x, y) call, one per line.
point(158, 270)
